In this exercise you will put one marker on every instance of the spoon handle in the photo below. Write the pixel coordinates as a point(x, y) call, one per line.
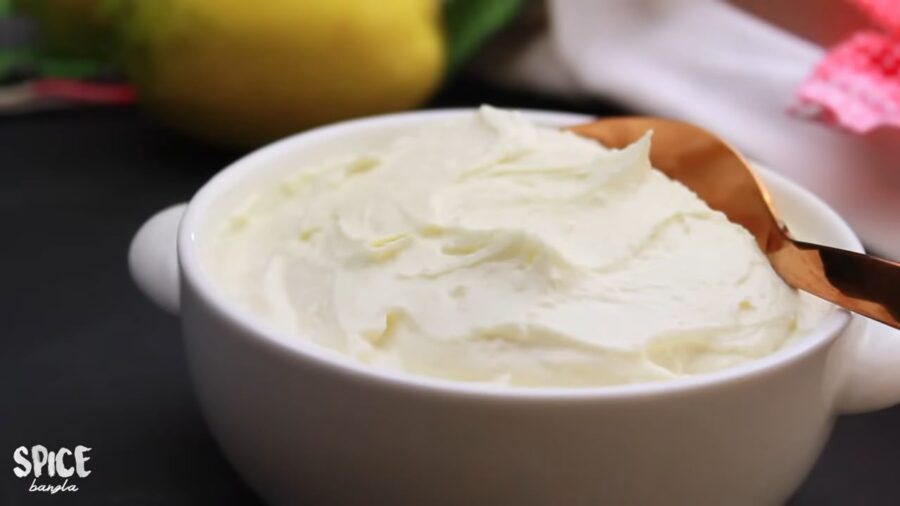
point(860, 283)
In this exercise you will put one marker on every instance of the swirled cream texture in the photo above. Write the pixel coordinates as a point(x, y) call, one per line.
point(488, 249)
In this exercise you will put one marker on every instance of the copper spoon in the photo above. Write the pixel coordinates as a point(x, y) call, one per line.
point(722, 177)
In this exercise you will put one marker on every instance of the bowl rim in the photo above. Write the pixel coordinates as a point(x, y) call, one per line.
point(306, 353)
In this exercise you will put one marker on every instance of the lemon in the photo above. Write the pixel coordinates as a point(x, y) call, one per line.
point(242, 73)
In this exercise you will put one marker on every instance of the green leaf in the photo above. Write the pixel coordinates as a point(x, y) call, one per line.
point(470, 23)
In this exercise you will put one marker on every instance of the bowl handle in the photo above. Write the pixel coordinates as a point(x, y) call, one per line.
point(872, 378)
point(153, 257)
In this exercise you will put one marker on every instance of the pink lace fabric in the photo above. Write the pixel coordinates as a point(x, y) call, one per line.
point(857, 85)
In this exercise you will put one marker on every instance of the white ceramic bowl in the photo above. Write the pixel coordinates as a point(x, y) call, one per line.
point(303, 424)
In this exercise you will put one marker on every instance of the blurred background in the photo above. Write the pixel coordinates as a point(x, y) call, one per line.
point(113, 109)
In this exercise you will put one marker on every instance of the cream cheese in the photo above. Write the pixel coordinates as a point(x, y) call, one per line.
point(489, 249)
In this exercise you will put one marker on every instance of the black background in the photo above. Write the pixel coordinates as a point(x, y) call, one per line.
point(85, 360)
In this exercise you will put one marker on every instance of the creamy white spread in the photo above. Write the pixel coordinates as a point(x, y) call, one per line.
point(489, 249)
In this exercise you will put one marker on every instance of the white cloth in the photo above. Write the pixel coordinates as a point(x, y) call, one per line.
point(713, 64)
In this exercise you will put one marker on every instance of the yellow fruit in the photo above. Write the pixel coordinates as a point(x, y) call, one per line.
point(243, 72)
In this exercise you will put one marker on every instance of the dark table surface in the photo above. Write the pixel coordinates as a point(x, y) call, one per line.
point(86, 360)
